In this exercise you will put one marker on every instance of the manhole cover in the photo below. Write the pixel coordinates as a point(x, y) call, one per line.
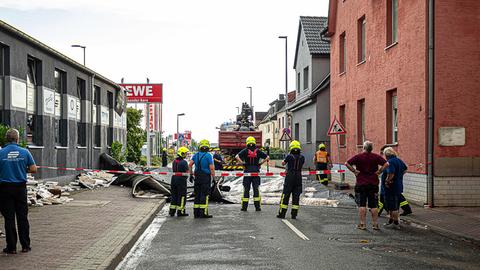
point(93, 203)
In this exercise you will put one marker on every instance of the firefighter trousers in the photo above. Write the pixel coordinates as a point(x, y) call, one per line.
point(179, 195)
point(292, 186)
point(201, 188)
point(403, 204)
point(322, 178)
point(253, 181)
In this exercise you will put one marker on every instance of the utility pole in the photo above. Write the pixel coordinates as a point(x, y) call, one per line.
point(149, 160)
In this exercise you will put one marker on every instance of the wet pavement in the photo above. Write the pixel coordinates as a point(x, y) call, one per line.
point(321, 238)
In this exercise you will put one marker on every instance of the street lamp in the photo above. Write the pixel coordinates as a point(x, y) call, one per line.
point(178, 134)
point(83, 47)
point(286, 80)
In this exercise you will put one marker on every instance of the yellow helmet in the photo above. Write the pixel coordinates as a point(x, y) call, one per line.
point(251, 140)
point(182, 152)
point(204, 144)
point(295, 145)
point(322, 146)
point(164, 149)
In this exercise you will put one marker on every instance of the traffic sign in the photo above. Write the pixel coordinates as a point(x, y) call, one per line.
point(286, 136)
point(336, 128)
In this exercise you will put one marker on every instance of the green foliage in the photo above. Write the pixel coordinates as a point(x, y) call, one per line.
point(156, 161)
point(135, 135)
point(3, 132)
point(116, 151)
point(277, 153)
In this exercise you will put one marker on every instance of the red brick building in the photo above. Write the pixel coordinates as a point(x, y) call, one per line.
point(392, 60)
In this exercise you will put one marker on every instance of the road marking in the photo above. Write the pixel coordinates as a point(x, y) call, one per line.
point(143, 243)
point(295, 230)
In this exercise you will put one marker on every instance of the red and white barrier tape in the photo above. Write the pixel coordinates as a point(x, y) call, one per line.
point(217, 173)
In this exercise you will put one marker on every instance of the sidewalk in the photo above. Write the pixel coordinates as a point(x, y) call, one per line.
point(460, 222)
point(456, 222)
point(92, 232)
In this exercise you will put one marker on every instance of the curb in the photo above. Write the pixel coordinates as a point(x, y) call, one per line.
point(444, 232)
point(118, 255)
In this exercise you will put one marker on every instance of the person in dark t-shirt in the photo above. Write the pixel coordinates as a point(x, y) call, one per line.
point(293, 180)
point(367, 166)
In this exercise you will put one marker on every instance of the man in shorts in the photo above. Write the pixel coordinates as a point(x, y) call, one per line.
point(367, 166)
point(393, 185)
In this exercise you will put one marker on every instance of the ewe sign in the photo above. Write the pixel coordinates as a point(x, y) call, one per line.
point(143, 93)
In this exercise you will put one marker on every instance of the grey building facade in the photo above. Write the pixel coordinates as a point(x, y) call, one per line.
point(50, 97)
point(311, 109)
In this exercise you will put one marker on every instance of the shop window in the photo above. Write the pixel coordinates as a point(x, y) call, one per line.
point(361, 26)
point(343, 53)
point(361, 122)
point(81, 126)
point(31, 100)
point(342, 116)
point(60, 78)
point(392, 21)
point(97, 106)
point(110, 127)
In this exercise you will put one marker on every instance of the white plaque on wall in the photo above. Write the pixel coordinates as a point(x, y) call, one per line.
point(72, 107)
point(58, 104)
point(48, 101)
point(19, 94)
point(451, 136)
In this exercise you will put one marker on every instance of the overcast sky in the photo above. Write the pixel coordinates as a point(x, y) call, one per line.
point(205, 52)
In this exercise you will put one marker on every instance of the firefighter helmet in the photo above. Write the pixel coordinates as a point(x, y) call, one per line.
point(182, 152)
point(251, 140)
point(204, 144)
point(295, 145)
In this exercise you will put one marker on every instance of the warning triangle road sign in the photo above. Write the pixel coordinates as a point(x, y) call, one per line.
point(336, 128)
point(286, 136)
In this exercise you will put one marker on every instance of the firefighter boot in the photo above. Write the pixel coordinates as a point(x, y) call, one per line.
point(257, 206)
point(282, 213)
point(294, 213)
point(181, 214)
point(172, 211)
point(197, 212)
point(244, 205)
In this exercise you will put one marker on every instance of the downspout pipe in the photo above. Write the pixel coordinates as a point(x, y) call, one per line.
point(90, 149)
point(431, 108)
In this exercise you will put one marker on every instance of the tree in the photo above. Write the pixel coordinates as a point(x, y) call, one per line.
point(136, 136)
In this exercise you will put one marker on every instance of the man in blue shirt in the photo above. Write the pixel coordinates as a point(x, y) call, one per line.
point(204, 171)
point(15, 162)
point(392, 185)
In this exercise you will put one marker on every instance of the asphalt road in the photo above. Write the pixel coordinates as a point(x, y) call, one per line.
point(258, 240)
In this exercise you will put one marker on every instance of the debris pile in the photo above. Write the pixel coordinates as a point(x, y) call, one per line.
point(40, 193)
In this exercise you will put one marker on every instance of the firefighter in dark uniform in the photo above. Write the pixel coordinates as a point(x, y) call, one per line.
point(164, 157)
point(293, 180)
point(179, 184)
point(217, 159)
point(323, 162)
point(204, 171)
point(250, 157)
point(406, 209)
